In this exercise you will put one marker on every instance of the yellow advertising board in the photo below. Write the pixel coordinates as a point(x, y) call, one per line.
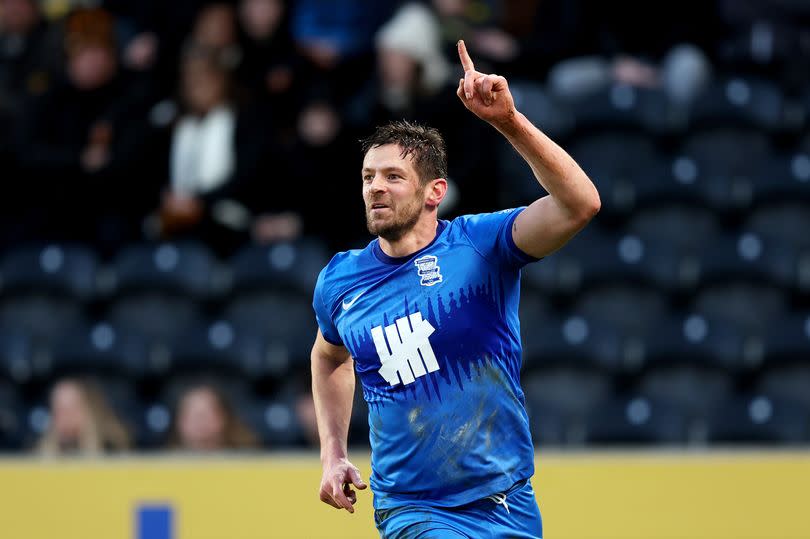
point(737, 495)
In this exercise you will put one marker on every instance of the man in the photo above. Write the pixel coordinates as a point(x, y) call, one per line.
point(427, 315)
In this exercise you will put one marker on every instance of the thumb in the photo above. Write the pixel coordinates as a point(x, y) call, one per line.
point(357, 481)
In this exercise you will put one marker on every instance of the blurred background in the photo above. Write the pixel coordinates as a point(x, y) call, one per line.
point(175, 174)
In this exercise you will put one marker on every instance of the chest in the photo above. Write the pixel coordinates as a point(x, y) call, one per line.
point(441, 306)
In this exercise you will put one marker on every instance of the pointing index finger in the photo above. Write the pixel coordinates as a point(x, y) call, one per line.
point(466, 61)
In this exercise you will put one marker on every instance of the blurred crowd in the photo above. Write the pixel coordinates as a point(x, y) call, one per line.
point(235, 123)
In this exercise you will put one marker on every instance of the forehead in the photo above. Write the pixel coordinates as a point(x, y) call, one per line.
point(387, 156)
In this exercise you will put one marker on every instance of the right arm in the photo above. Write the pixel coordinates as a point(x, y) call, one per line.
point(333, 392)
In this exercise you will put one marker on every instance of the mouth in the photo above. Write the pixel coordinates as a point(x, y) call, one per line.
point(378, 207)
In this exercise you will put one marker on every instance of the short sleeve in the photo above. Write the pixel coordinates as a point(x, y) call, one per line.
point(491, 234)
point(323, 315)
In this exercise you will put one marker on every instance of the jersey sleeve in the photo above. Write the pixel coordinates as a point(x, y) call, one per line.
point(323, 314)
point(491, 235)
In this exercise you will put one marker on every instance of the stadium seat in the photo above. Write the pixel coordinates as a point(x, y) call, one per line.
point(759, 418)
point(631, 309)
point(621, 106)
point(99, 349)
point(685, 227)
point(785, 370)
point(633, 420)
point(286, 322)
point(574, 340)
point(15, 357)
point(738, 102)
point(750, 306)
point(783, 178)
point(275, 420)
point(11, 418)
point(570, 390)
point(547, 423)
point(787, 222)
point(288, 266)
point(748, 257)
point(218, 348)
point(67, 270)
point(41, 316)
point(593, 258)
point(183, 268)
point(694, 389)
point(715, 169)
point(615, 178)
point(696, 339)
point(156, 316)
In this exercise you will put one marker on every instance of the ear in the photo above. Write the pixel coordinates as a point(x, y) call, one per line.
point(435, 192)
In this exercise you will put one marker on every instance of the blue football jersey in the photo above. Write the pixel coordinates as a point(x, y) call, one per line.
point(435, 338)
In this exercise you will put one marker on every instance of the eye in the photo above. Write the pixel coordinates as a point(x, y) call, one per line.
point(368, 178)
point(394, 176)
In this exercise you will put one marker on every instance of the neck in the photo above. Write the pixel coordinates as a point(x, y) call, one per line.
point(418, 237)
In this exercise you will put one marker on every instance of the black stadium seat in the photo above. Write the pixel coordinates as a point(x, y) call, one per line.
point(218, 348)
point(65, 270)
point(287, 266)
point(760, 418)
point(739, 102)
point(574, 340)
point(688, 338)
point(156, 316)
point(99, 349)
point(15, 357)
point(633, 420)
point(750, 306)
point(785, 369)
point(615, 177)
point(182, 268)
point(11, 418)
point(694, 389)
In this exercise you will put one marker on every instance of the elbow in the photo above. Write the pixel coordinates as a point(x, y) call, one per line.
point(589, 209)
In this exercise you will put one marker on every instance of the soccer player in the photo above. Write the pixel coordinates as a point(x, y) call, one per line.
point(427, 316)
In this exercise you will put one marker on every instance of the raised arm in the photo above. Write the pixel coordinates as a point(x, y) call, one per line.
point(550, 221)
point(333, 391)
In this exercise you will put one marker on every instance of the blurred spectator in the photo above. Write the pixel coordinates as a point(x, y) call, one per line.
point(30, 53)
point(215, 155)
point(82, 422)
point(270, 68)
point(413, 82)
point(666, 51)
point(204, 420)
point(215, 28)
point(80, 162)
point(768, 38)
point(337, 36)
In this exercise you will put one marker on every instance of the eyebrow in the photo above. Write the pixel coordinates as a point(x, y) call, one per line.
point(389, 168)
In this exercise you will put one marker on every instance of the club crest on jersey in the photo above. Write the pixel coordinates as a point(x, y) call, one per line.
point(428, 270)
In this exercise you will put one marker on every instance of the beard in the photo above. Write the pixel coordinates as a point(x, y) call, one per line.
point(403, 220)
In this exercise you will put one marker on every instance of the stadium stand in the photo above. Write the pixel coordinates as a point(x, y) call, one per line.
point(679, 316)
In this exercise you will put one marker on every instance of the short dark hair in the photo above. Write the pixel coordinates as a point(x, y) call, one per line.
point(424, 143)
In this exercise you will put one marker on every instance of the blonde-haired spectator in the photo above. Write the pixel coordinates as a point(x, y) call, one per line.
point(82, 422)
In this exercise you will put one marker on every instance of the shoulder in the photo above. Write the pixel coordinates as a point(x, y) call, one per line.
point(341, 272)
point(473, 221)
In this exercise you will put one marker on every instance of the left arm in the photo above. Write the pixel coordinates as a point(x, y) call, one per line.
point(549, 222)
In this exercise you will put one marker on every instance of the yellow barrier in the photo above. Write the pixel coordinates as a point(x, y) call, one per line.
point(736, 495)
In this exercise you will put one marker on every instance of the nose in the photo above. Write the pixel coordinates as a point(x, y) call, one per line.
point(377, 184)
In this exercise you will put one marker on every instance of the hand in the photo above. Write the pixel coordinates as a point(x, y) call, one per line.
point(486, 96)
point(338, 478)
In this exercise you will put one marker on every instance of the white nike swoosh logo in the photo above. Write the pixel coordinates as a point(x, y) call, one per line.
point(347, 306)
